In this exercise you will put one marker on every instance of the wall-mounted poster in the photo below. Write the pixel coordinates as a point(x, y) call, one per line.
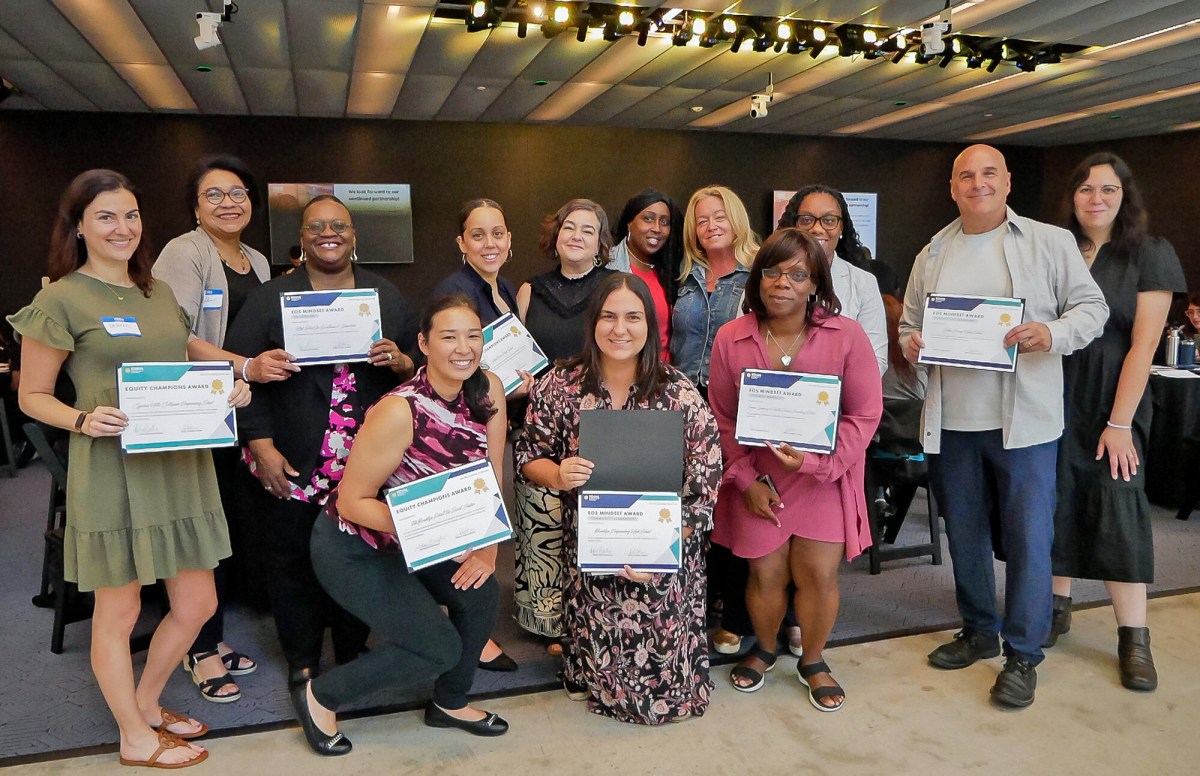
point(864, 210)
point(382, 216)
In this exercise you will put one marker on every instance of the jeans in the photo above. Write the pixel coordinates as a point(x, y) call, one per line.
point(403, 609)
point(972, 474)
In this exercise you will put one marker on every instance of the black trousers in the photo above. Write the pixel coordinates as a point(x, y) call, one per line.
point(403, 608)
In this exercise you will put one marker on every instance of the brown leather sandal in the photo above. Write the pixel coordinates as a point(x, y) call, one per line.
point(171, 717)
point(167, 741)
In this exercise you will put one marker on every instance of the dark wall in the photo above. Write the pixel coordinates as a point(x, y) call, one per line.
point(531, 170)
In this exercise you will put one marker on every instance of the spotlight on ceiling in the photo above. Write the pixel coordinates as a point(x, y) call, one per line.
point(743, 31)
point(481, 16)
point(817, 38)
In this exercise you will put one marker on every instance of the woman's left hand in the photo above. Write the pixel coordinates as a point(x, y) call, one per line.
point(475, 568)
point(788, 456)
point(240, 396)
point(1122, 455)
point(384, 352)
point(635, 576)
point(522, 390)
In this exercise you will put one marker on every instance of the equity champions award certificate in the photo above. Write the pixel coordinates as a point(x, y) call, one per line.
point(969, 331)
point(176, 405)
point(793, 407)
point(330, 327)
point(639, 530)
point(444, 515)
point(507, 347)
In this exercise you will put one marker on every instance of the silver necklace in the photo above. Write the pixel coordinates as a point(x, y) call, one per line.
point(645, 264)
point(786, 359)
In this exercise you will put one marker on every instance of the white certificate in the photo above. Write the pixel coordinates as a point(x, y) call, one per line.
point(330, 327)
point(444, 515)
point(176, 405)
point(639, 530)
point(794, 407)
point(507, 347)
point(969, 331)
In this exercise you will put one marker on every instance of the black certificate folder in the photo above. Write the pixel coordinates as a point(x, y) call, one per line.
point(636, 451)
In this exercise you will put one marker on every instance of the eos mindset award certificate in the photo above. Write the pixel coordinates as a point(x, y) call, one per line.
point(176, 405)
point(444, 515)
point(507, 347)
point(794, 407)
point(639, 530)
point(969, 331)
point(330, 327)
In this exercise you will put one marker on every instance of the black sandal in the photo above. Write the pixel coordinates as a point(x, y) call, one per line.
point(235, 664)
point(757, 678)
point(209, 688)
point(818, 694)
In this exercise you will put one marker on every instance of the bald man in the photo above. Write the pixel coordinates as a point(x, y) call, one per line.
point(992, 437)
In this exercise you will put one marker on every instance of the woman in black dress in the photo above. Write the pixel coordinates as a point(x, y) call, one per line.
point(1102, 523)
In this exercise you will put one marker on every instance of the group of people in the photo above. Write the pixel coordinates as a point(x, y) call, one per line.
point(662, 310)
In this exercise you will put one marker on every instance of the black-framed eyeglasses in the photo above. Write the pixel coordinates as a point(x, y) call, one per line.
point(216, 196)
point(795, 276)
point(339, 226)
point(1105, 191)
point(829, 221)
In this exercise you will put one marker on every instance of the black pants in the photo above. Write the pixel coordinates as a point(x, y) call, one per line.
point(727, 578)
point(301, 606)
point(404, 610)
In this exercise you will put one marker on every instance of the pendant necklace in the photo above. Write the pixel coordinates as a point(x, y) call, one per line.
point(108, 286)
point(786, 359)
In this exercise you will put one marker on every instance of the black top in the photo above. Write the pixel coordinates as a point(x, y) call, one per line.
point(240, 287)
point(556, 305)
point(467, 281)
point(295, 412)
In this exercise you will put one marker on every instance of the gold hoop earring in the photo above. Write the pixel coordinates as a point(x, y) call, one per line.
point(354, 253)
point(303, 258)
point(597, 261)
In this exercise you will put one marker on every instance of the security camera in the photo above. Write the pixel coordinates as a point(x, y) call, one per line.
point(758, 105)
point(209, 22)
point(933, 34)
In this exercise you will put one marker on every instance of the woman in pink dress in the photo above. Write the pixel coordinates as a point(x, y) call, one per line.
point(794, 514)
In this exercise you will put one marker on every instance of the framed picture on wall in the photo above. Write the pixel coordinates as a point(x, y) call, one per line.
point(382, 215)
point(864, 210)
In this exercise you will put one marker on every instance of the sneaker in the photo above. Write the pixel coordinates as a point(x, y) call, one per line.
point(726, 642)
point(1015, 685)
point(967, 647)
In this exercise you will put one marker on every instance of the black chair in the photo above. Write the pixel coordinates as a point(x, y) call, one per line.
point(1191, 493)
point(895, 470)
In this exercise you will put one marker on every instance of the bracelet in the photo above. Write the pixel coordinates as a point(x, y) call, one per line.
point(1118, 425)
point(79, 421)
point(246, 366)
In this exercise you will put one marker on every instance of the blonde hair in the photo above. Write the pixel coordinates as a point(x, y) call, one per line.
point(745, 241)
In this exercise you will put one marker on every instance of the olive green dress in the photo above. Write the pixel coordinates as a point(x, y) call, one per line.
point(138, 517)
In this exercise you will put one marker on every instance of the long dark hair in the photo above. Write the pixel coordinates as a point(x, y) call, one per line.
point(850, 245)
point(230, 164)
point(68, 252)
point(666, 268)
point(475, 387)
point(1131, 224)
point(552, 225)
point(651, 375)
point(782, 246)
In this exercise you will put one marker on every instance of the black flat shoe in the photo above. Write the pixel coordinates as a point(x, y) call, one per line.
point(501, 662)
point(322, 744)
point(491, 725)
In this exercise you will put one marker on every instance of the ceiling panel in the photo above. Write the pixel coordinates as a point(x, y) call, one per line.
point(519, 100)
point(562, 58)
point(471, 97)
point(423, 95)
point(102, 85)
point(257, 37)
point(322, 92)
point(269, 91)
point(45, 86)
point(446, 49)
point(42, 29)
point(321, 35)
point(504, 55)
point(214, 92)
point(607, 105)
point(655, 105)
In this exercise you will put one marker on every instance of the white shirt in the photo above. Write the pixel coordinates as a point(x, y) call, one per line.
point(858, 292)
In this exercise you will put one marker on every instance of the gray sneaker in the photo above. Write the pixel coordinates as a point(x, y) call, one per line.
point(967, 647)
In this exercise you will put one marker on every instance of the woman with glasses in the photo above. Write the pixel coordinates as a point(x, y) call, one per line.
point(794, 514)
point(299, 432)
point(1102, 519)
point(212, 272)
point(821, 211)
point(1192, 317)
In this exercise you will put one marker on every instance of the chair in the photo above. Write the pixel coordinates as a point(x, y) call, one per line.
point(895, 469)
point(1191, 492)
point(10, 456)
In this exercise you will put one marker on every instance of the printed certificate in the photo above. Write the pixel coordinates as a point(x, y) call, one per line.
point(446, 514)
point(176, 405)
point(330, 327)
point(639, 530)
point(969, 331)
point(794, 407)
point(507, 347)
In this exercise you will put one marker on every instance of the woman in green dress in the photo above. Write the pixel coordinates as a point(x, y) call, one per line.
point(124, 528)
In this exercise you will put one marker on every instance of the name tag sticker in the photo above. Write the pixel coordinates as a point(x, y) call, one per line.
point(121, 327)
point(213, 298)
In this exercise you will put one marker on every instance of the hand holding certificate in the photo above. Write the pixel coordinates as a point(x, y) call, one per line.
point(176, 406)
point(969, 331)
point(330, 327)
point(639, 530)
point(788, 407)
point(508, 347)
point(444, 515)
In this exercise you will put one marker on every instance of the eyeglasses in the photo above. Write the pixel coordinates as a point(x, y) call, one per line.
point(1105, 191)
point(796, 276)
point(829, 221)
point(1192, 312)
point(317, 227)
point(216, 196)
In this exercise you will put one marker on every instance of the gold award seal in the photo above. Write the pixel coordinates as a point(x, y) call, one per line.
point(218, 387)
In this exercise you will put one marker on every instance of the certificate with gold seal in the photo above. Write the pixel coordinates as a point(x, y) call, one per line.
point(443, 515)
point(330, 327)
point(796, 408)
point(969, 331)
point(639, 530)
point(176, 405)
point(507, 347)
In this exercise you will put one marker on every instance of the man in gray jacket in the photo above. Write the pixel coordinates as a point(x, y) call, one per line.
point(991, 436)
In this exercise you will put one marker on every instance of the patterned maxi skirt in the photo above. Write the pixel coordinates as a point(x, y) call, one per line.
point(539, 565)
